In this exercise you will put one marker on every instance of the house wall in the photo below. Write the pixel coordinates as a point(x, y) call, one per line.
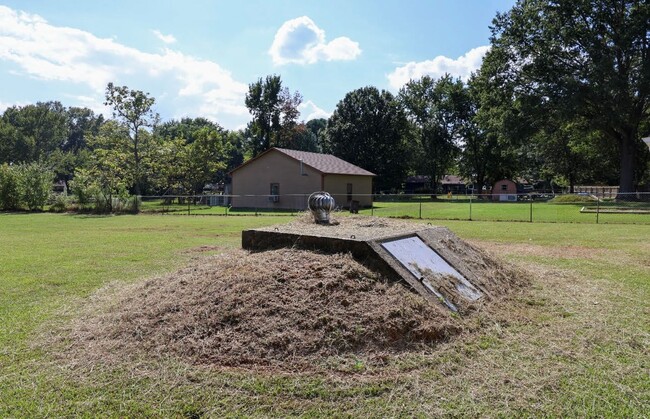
point(336, 185)
point(274, 167)
point(504, 190)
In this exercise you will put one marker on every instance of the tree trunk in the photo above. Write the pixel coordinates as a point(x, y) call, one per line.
point(136, 187)
point(626, 183)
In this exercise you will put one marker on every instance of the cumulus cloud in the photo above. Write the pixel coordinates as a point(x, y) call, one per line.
point(309, 110)
point(53, 53)
point(168, 39)
point(300, 41)
point(462, 67)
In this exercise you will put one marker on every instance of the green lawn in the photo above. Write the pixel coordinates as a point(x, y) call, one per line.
point(462, 209)
point(449, 209)
point(579, 345)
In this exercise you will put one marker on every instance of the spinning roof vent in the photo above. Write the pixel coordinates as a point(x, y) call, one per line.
point(321, 204)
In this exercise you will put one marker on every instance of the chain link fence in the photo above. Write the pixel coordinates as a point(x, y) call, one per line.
point(530, 207)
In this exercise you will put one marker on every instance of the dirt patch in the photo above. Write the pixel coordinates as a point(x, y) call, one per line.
point(204, 249)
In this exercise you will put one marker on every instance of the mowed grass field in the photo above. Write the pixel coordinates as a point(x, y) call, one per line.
point(576, 343)
point(454, 209)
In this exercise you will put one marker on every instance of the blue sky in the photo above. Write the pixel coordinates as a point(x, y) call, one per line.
point(197, 57)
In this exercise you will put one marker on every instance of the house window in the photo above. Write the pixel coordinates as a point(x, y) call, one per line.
point(349, 189)
point(504, 187)
point(275, 192)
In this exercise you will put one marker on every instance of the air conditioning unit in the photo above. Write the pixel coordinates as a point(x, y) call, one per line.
point(274, 198)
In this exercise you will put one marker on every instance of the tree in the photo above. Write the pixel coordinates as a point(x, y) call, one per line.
point(82, 122)
point(186, 128)
point(35, 184)
point(111, 167)
point(487, 154)
point(368, 128)
point(14, 147)
point(202, 159)
point(303, 139)
point(588, 58)
point(133, 108)
point(39, 130)
point(235, 149)
point(440, 112)
point(275, 112)
point(10, 196)
point(190, 166)
point(289, 113)
point(317, 128)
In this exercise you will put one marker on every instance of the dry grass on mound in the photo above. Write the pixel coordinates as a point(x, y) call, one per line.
point(285, 308)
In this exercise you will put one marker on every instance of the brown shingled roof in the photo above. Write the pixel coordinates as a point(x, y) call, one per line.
point(324, 163)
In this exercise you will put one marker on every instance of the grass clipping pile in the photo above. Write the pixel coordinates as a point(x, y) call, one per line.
point(283, 308)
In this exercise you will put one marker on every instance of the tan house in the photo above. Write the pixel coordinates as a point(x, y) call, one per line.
point(284, 179)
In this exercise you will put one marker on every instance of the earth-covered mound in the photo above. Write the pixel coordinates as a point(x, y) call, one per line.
point(282, 307)
point(286, 308)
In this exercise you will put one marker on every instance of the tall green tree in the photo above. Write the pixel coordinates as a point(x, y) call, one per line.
point(317, 127)
point(202, 159)
point(38, 130)
point(111, 169)
point(303, 139)
point(189, 166)
point(275, 112)
point(185, 128)
point(134, 108)
point(14, 147)
point(588, 58)
point(369, 129)
point(235, 150)
point(82, 122)
point(440, 112)
point(488, 152)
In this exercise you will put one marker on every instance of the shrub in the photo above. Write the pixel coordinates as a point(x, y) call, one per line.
point(60, 203)
point(9, 187)
point(35, 185)
point(82, 188)
point(572, 199)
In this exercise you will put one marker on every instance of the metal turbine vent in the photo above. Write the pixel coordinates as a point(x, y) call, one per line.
point(321, 204)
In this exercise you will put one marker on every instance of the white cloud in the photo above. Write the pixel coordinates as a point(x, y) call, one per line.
point(96, 104)
point(168, 39)
point(300, 41)
point(312, 111)
point(198, 87)
point(462, 67)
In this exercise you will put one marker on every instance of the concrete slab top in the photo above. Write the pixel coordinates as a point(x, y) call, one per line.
point(358, 228)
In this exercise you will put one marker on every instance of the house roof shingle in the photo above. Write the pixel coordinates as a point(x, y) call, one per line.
point(324, 163)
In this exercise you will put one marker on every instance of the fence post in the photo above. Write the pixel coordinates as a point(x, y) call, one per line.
point(420, 208)
point(188, 205)
point(531, 210)
point(470, 207)
point(597, 208)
